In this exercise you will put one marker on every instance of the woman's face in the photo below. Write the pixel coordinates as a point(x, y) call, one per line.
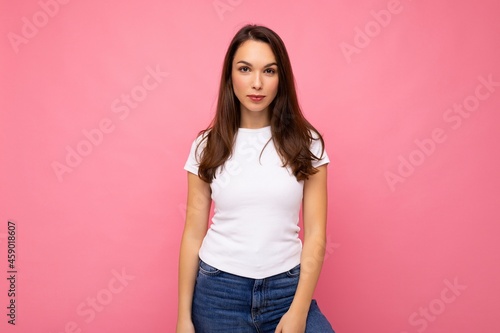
point(255, 76)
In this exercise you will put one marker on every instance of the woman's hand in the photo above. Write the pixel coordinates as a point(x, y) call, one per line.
point(292, 323)
point(185, 326)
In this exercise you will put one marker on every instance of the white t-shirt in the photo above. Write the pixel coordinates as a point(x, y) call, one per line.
point(255, 230)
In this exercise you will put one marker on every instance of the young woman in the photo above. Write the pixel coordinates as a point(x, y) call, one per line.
point(259, 160)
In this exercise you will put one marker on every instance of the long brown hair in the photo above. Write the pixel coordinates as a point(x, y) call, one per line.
point(291, 132)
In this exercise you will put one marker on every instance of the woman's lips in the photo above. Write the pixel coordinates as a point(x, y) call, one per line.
point(256, 98)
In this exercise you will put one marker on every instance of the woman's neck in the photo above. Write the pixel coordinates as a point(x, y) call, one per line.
point(254, 119)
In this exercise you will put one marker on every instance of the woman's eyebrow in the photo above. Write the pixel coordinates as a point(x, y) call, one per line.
point(249, 64)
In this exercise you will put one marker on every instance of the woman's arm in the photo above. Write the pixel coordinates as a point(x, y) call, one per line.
point(195, 228)
point(314, 210)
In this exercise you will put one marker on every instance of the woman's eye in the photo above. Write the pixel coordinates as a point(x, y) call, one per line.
point(244, 69)
point(270, 71)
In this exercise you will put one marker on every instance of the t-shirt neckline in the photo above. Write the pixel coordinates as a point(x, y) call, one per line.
point(260, 129)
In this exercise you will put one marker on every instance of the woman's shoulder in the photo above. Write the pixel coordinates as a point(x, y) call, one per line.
point(202, 135)
point(317, 143)
point(314, 134)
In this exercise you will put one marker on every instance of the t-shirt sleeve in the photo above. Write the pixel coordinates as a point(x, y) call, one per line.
point(193, 159)
point(316, 150)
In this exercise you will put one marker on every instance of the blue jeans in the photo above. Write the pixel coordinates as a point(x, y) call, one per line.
point(225, 302)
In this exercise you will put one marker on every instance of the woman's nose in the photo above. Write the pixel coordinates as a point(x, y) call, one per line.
point(257, 82)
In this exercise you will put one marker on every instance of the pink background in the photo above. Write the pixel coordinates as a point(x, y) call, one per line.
point(378, 78)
